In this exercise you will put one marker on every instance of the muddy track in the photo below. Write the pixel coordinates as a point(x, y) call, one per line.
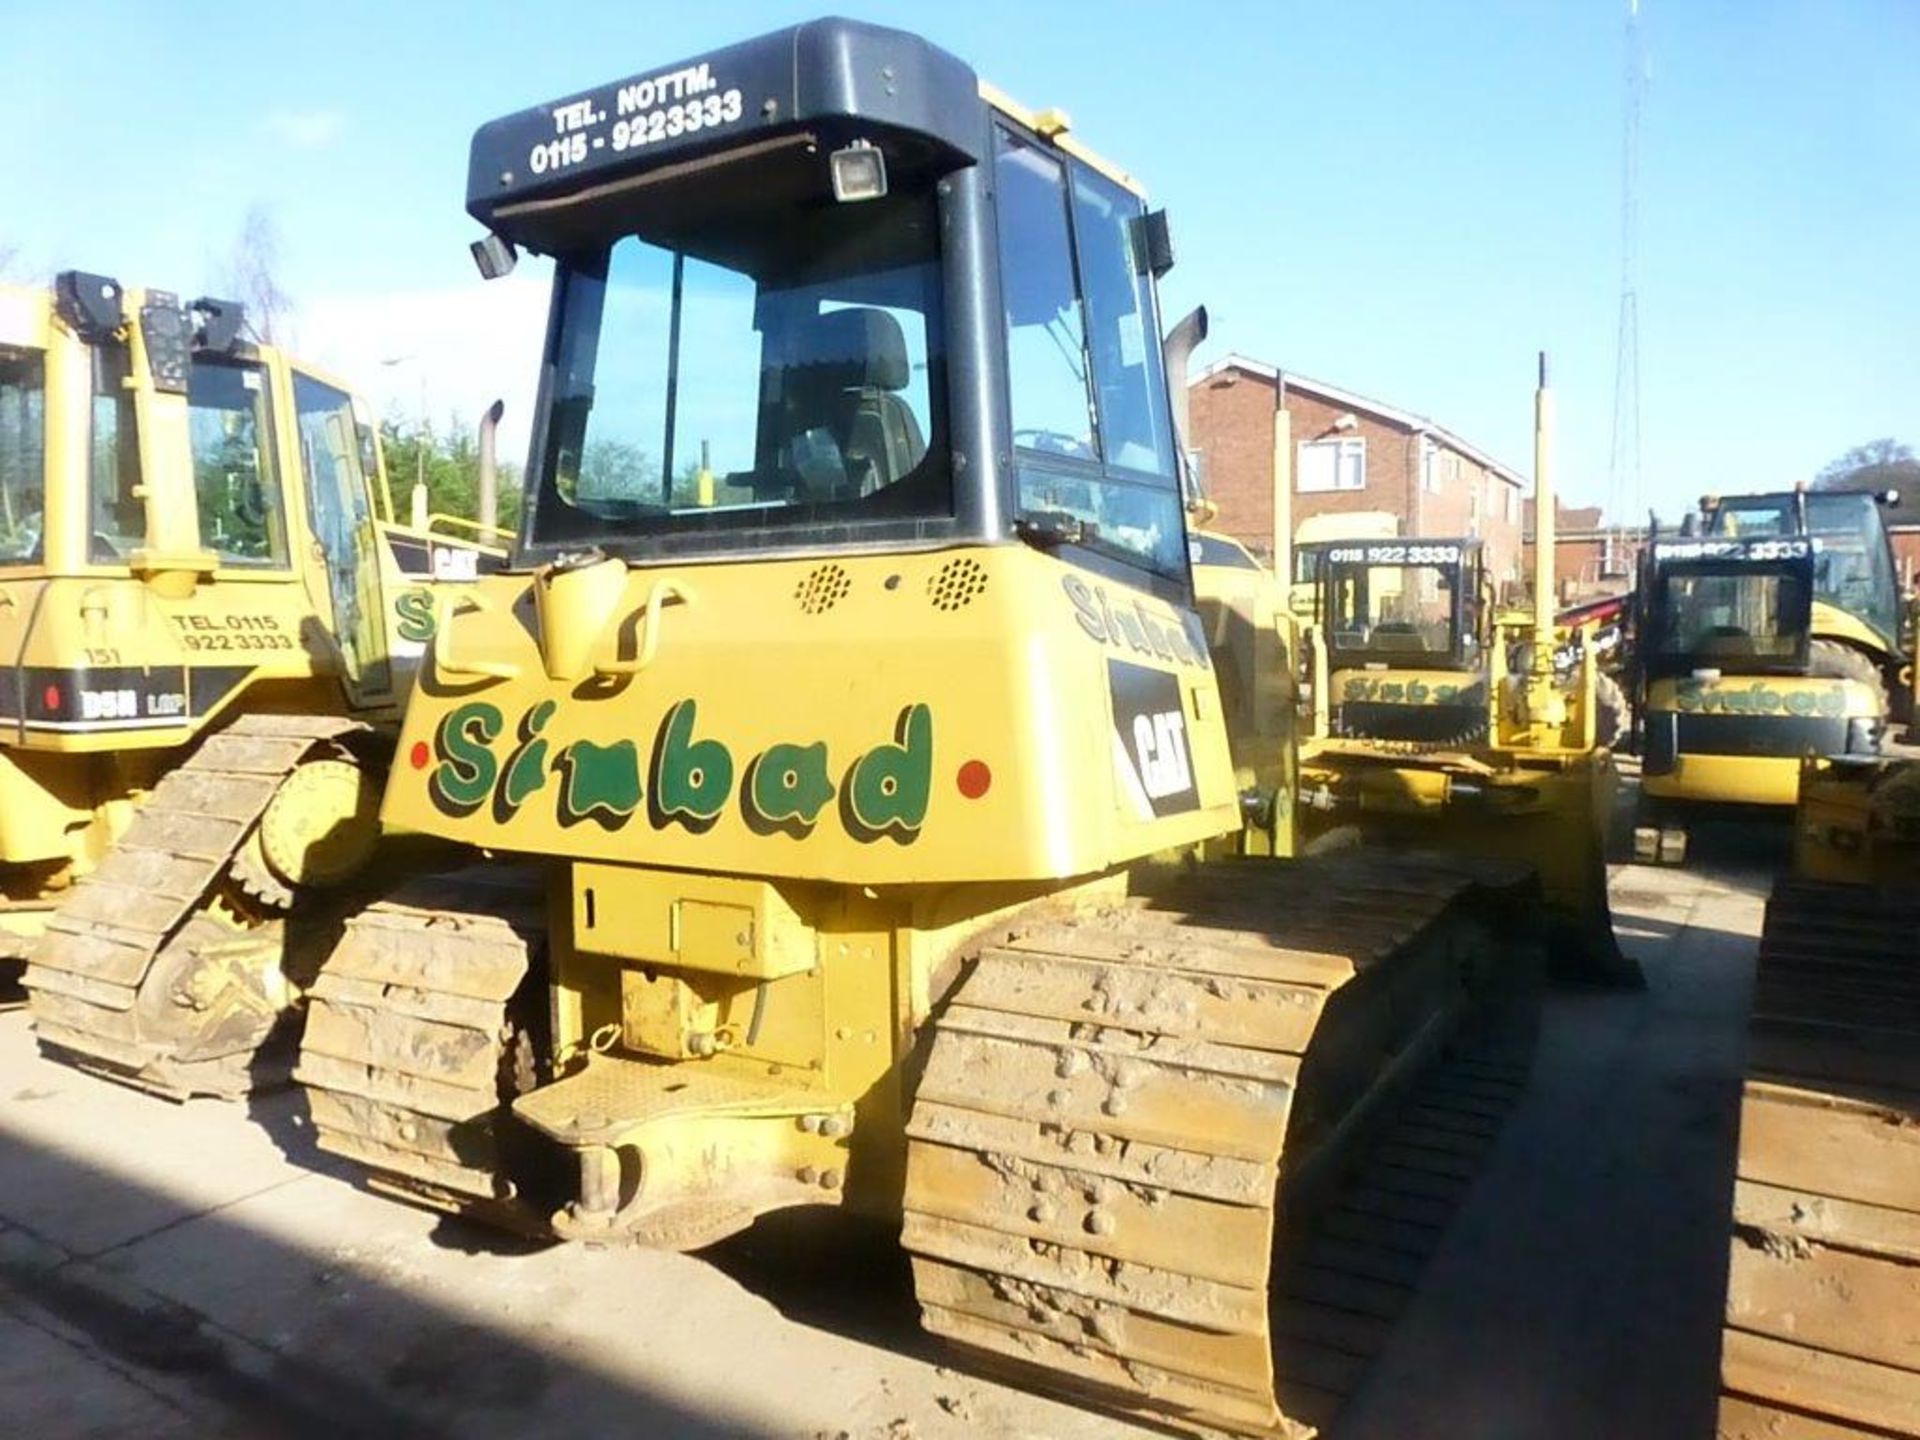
point(411, 1044)
point(106, 979)
point(1823, 1283)
point(1119, 1111)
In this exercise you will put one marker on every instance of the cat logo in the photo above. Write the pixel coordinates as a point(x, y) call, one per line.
point(1160, 747)
point(1152, 759)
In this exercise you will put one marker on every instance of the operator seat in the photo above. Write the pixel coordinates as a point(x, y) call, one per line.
point(844, 387)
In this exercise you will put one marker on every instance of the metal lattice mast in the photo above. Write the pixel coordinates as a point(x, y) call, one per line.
point(1625, 496)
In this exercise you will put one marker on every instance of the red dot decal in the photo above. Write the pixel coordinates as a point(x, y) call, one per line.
point(52, 697)
point(974, 778)
point(419, 755)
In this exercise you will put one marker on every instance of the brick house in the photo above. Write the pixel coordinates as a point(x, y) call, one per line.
point(1349, 454)
point(1590, 560)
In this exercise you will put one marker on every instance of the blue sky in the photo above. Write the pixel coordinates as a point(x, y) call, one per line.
point(1406, 198)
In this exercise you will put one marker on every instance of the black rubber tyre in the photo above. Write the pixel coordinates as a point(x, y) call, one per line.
point(1610, 711)
point(1831, 660)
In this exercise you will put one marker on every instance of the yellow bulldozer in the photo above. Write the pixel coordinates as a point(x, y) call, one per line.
point(1444, 723)
point(865, 808)
point(1772, 628)
point(210, 615)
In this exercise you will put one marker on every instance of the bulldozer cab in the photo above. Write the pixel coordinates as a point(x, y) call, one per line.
point(1387, 604)
point(1401, 639)
point(1853, 572)
point(839, 313)
point(1741, 607)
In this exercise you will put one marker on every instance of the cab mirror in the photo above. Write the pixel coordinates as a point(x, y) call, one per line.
point(493, 256)
point(1152, 244)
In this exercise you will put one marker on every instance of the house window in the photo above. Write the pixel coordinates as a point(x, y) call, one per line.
point(1323, 465)
point(1439, 466)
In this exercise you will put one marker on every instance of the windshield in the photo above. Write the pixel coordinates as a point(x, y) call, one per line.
point(1853, 569)
point(1392, 612)
point(787, 372)
point(1755, 517)
point(1093, 442)
point(23, 423)
point(1731, 617)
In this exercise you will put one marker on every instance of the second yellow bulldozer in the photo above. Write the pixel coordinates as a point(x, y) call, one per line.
point(209, 613)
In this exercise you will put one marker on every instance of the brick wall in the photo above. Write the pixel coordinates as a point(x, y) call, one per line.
point(1231, 419)
point(1906, 555)
point(1232, 427)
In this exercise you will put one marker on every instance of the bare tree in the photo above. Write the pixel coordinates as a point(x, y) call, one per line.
point(8, 254)
point(252, 277)
point(1884, 464)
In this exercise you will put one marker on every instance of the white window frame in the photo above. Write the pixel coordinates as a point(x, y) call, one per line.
point(1348, 455)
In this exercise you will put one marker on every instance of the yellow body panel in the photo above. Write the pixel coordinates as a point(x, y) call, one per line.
point(1728, 779)
point(1771, 774)
point(714, 726)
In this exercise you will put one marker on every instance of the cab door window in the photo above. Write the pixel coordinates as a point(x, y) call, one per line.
point(23, 440)
point(1122, 336)
point(234, 477)
point(337, 499)
point(1093, 449)
point(116, 514)
point(1047, 366)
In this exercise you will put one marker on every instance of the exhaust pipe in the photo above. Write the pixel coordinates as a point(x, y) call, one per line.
point(1175, 351)
point(489, 516)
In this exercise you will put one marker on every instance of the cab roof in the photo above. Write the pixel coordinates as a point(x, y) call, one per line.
point(837, 79)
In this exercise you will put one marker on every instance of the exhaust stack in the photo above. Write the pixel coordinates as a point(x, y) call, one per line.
point(489, 505)
point(1545, 508)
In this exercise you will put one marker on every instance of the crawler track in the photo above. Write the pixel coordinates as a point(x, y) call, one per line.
point(1118, 1111)
point(122, 980)
point(412, 1043)
point(1823, 1305)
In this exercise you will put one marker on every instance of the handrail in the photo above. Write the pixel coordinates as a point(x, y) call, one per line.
point(491, 533)
point(662, 592)
point(443, 660)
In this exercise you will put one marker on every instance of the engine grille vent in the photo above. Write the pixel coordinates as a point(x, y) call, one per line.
point(824, 587)
point(956, 584)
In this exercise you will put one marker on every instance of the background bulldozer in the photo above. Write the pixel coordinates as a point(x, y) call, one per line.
point(1772, 629)
point(209, 615)
point(1444, 725)
point(1823, 1285)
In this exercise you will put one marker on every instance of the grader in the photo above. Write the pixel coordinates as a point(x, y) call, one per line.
point(866, 821)
point(210, 614)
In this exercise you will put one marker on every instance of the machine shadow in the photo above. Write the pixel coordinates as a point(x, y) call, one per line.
point(350, 1354)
